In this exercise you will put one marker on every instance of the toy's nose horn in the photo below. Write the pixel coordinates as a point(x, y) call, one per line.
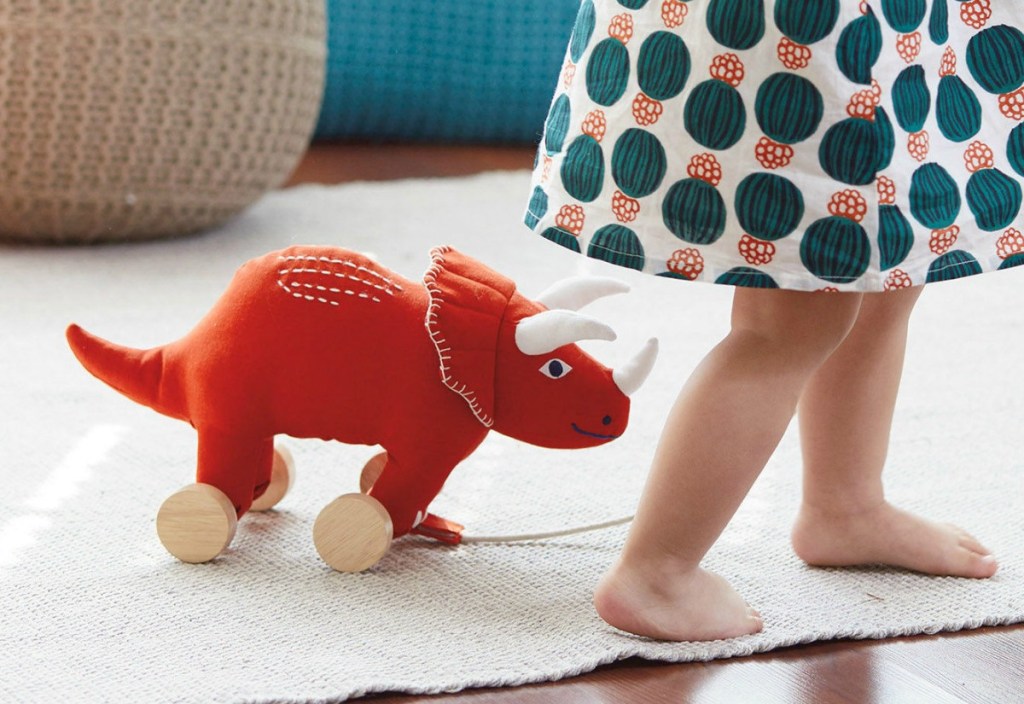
point(633, 373)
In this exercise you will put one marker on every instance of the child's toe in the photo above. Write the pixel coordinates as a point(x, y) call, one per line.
point(971, 543)
point(755, 619)
point(975, 564)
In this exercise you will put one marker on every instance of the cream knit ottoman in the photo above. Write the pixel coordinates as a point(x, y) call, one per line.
point(133, 119)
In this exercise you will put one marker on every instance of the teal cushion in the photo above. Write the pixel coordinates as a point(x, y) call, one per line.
point(443, 70)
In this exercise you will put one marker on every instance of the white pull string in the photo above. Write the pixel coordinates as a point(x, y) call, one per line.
point(545, 536)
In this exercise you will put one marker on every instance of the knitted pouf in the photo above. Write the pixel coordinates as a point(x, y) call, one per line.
point(134, 119)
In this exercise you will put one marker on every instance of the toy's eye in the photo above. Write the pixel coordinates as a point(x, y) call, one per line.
point(555, 369)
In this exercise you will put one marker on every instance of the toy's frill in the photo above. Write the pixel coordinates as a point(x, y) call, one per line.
point(467, 304)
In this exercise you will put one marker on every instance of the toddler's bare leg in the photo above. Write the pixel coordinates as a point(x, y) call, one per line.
point(728, 419)
point(845, 416)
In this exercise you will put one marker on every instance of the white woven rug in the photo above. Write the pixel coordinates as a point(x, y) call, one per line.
point(94, 610)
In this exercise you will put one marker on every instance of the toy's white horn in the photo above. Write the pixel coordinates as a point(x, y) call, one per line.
point(550, 329)
point(632, 375)
point(578, 291)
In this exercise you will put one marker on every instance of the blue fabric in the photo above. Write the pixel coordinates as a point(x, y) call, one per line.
point(443, 70)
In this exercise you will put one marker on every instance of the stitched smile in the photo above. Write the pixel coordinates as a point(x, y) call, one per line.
point(579, 430)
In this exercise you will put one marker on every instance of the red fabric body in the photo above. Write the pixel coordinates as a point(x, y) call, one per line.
point(323, 342)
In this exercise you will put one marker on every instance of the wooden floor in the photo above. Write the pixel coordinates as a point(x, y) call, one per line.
point(985, 666)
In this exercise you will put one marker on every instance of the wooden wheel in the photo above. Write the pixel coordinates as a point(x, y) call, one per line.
point(353, 532)
point(197, 523)
point(282, 476)
point(371, 472)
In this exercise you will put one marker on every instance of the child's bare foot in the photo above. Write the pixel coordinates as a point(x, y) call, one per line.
point(695, 605)
point(887, 535)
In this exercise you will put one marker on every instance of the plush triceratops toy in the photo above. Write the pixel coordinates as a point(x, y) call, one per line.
point(324, 342)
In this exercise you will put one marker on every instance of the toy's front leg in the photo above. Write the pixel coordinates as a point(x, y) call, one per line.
point(433, 526)
point(406, 491)
point(355, 531)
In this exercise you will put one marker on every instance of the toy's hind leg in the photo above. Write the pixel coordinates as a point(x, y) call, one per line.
point(235, 465)
point(270, 489)
point(198, 523)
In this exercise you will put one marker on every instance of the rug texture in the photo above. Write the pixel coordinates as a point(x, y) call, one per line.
point(95, 610)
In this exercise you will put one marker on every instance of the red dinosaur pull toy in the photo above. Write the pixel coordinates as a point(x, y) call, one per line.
point(322, 342)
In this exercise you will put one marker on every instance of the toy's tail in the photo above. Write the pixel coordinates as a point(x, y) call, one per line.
point(135, 373)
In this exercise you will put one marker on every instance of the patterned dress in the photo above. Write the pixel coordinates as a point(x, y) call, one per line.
point(802, 144)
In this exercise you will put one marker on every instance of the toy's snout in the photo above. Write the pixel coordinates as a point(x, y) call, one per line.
point(593, 401)
point(597, 431)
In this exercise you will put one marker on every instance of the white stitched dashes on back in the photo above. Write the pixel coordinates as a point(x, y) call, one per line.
point(330, 281)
